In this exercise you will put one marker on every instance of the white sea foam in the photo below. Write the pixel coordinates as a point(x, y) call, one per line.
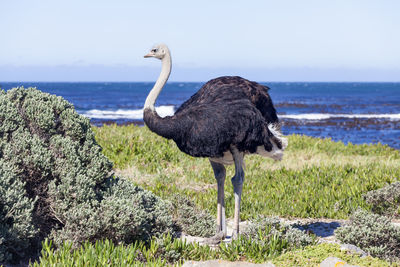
point(137, 114)
point(325, 116)
point(130, 114)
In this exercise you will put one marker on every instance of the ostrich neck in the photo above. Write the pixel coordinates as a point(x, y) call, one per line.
point(158, 86)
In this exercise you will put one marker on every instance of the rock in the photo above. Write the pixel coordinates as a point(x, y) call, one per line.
point(222, 263)
point(354, 249)
point(335, 262)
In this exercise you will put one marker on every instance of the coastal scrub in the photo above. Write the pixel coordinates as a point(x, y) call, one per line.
point(55, 182)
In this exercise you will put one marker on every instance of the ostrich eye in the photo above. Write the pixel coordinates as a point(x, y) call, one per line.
point(154, 50)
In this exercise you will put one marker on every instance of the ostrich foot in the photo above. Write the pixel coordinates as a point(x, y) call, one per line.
point(216, 239)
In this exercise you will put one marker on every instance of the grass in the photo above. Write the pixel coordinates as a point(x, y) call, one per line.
point(317, 177)
point(161, 252)
point(168, 251)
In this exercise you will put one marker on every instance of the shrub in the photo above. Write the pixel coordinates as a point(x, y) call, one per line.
point(293, 236)
point(56, 182)
point(191, 219)
point(125, 213)
point(385, 200)
point(373, 233)
point(16, 226)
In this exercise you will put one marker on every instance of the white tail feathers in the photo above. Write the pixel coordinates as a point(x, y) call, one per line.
point(276, 153)
point(274, 129)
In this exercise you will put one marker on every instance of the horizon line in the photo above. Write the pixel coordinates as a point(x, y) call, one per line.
point(153, 81)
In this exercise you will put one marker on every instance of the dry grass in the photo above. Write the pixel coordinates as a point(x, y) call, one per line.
point(301, 159)
point(175, 177)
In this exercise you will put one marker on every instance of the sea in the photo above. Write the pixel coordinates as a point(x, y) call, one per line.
point(349, 112)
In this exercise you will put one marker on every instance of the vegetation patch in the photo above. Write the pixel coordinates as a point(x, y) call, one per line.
point(386, 200)
point(314, 255)
point(55, 182)
point(129, 144)
point(17, 229)
point(372, 233)
point(293, 236)
point(192, 220)
point(266, 244)
point(165, 251)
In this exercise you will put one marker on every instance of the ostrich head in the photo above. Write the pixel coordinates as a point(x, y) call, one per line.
point(158, 51)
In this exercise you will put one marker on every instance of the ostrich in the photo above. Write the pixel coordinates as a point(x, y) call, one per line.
point(226, 119)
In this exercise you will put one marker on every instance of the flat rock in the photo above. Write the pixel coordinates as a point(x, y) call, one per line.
point(335, 262)
point(222, 263)
point(353, 249)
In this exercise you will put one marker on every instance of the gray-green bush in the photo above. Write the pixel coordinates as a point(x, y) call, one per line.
point(192, 220)
point(294, 237)
point(385, 200)
point(16, 226)
point(55, 182)
point(373, 233)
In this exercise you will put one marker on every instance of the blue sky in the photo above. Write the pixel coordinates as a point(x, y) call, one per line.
point(343, 40)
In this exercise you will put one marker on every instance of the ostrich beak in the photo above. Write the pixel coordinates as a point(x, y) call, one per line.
point(148, 55)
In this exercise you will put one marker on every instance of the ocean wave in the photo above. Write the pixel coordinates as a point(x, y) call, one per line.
point(137, 114)
point(130, 114)
point(325, 116)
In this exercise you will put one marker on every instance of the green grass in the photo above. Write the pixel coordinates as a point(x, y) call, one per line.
point(168, 251)
point(316, 178)
point(102, 253)
point(161, 252)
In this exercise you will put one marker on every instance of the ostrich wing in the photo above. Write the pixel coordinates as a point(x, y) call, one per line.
point(208, 130)
point(230, 88)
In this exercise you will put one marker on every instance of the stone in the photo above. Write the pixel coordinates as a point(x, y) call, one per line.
point(335, 262)
point(354, 249)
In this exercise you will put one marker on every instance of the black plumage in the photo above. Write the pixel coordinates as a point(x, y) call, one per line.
point(226, 111)
point(226, 119)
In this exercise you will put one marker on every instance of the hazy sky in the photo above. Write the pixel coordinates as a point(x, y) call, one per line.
point(262, 40)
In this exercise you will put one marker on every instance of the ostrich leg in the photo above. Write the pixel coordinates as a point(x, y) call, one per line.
point(219, 172)
point(237, 182)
